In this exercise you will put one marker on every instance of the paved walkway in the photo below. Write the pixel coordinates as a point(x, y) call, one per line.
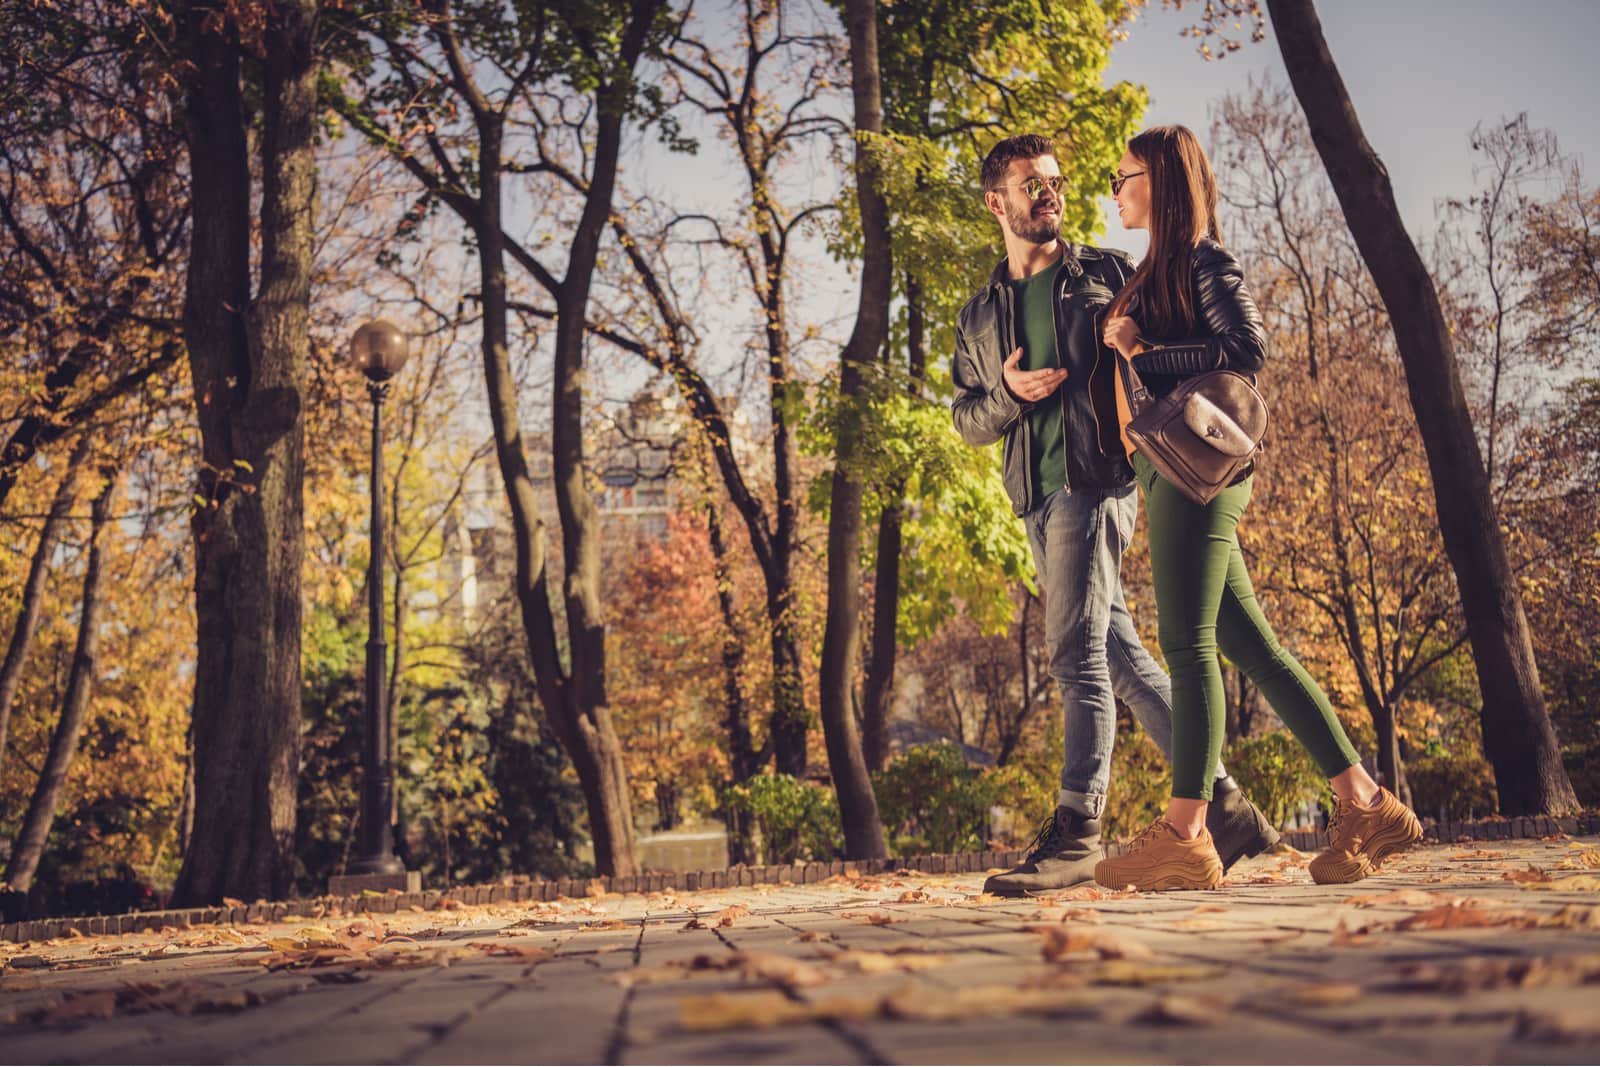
point(1455, 954)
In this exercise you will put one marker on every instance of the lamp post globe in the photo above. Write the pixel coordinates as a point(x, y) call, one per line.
point(379, 348)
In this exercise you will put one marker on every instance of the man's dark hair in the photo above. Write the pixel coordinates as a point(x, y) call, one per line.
point(1027, 146)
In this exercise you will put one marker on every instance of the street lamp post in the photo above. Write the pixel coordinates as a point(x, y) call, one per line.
point(379, 349)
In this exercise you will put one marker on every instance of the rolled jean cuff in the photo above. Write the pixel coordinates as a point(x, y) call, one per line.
point(1091, 804)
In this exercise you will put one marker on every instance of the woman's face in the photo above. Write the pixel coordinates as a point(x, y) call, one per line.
point(1133, 200)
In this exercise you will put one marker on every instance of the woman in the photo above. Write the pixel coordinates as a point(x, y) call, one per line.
point(1185, 311)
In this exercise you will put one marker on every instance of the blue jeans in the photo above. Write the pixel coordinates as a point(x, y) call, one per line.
point(1095, 653)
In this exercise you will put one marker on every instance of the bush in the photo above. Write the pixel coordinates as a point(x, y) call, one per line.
point(1454, 784)
point(1277, 774)
point(932, 800)
point(1141, 782)
point(795, 820)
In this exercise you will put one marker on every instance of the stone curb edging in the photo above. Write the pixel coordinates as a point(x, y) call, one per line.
point(527, 889)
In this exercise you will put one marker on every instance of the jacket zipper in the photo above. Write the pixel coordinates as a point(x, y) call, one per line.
point(1008, 333)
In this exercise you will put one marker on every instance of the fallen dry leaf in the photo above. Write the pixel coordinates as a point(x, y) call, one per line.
point(1572, 883)
point(1464, 914)
point(1574, 917)
point(735, 1011)
point(730, 915)
point(864, 962)
point(1183, 1011)
point(992, 1001)
point(526, 953)
point(1478, 973)
point(812, 935)
point(1060, 941)
point(1135, 973)
point(1529, 876)
point(605, 924)
point(913, 896)
point(1590, 858)
point(101, 1004)
point(874, 918)
point(1478, 854)
point(1324, 994)
point(1555, 1028)
point(1399, 898)
point(1204, 909)
point(1344, 937)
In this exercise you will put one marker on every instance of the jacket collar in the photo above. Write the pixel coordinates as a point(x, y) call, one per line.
point(1072, 256)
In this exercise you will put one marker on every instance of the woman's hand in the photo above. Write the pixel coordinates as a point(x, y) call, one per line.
point(1122, 333)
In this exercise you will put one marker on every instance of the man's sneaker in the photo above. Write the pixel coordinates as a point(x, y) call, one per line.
point(1363, 836)
point(1160, 859)
point(1063, 854)
point(1237, 826)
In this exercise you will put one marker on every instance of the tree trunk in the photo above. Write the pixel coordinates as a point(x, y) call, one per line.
point(878, 690)
point(1391, 768)
point(35, 832)
point(33, 590)
point(743, 759)
point(1517, 734)
point(248, 365)
point(858, 808)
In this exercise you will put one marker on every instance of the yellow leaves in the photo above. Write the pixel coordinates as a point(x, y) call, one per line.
point(1324, 994)
point(1064, 941)
point(724, 918)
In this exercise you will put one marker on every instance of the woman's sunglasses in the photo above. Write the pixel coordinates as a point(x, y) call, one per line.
point(1118, 180)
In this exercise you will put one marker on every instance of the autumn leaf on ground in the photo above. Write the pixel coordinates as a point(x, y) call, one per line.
point(913, 896)
point(1462, 914)
point(1572, 883)
point(1589, 859)
point(1530, 875)
point(737, 1011)
point(874, 918)
point(1060, 941)
point(1478, 854)
point(991, 1002)
point(1574, 917)
point(1324, 994)
point(1204, 909)
point(750, 966)
point(606, 924)
point(1183, 1011)
point(730, 915)
point(101, 1004)
point(1130, 972)
point(1399, 898)
point(864, 962)
point(232, 902)
point(526, 953)
point(1478, 973)
point(982, 898)
point(1082, 892)
point(1344, 937)
point(812, 935)
point(1556, 1027)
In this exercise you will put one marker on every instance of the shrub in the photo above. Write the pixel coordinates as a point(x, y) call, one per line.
point(932, 800)
point(1277, 774)
point(1141, 782)
point(795, 820)
point(1454, 784)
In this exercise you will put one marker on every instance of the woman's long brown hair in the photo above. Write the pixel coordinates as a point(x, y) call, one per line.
point(1183, 210)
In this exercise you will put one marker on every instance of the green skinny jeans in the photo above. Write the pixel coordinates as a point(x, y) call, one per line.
point(1206, 604)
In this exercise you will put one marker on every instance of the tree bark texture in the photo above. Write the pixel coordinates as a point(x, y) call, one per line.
point(858, 807)
point(248, 361)
point(1518, 737)
point(35, 832)
point(744, 761)
point(27, 623)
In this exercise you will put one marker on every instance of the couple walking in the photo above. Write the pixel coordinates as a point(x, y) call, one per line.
point(1042, 363)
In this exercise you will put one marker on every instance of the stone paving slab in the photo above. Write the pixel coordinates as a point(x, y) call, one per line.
point(1453, 954)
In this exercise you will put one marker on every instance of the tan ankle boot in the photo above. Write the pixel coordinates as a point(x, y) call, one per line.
point(1363, 836)
point(1159, 859)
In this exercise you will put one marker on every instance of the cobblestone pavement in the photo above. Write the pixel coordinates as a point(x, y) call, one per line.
point(1453, 954)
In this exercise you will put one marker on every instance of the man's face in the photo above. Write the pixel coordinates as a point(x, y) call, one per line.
point(1038, 221)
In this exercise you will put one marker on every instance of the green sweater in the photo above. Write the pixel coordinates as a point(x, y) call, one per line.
point(1036, 333)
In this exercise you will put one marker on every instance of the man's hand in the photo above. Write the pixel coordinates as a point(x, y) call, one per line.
point(1031, 385)
point(1122, 333)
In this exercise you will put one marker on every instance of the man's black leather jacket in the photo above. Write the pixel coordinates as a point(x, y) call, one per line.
point(985, 411)
point(1229, 334)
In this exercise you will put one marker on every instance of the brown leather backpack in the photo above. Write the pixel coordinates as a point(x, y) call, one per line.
point(1203, 434)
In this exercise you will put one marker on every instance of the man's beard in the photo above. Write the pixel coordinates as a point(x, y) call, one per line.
point(1040, 231)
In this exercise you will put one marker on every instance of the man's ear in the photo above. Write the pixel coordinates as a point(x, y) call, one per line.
point(991, 200)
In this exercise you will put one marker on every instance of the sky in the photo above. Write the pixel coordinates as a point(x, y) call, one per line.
point(1421, 74)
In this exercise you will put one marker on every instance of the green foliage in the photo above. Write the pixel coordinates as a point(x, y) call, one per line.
point(796, 820)
point(931, 800)
point(1277, 774)
point(1030, 784)
point(1456, 784)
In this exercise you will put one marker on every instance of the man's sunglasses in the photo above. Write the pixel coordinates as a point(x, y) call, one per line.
point(1118, 180)
point(1035, 187)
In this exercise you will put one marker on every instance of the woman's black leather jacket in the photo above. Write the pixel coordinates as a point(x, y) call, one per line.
point(1229, 333)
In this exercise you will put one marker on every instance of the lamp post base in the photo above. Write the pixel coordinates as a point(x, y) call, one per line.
point(350, 885)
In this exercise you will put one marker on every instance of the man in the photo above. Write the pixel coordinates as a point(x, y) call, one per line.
point(1030, 369)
